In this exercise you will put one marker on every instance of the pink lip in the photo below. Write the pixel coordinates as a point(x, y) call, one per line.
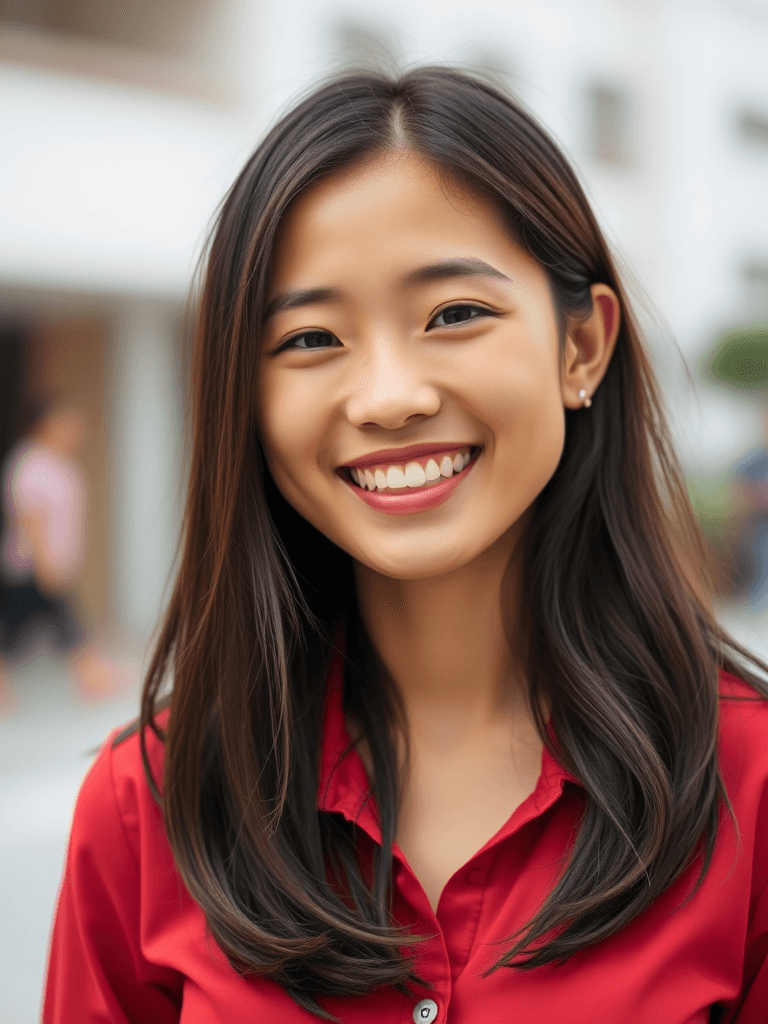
point(396, 456)
point(405, 501)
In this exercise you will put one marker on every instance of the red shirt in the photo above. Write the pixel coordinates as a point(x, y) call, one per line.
point(130, 945)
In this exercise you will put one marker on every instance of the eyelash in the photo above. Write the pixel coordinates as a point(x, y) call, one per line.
point(481, 312)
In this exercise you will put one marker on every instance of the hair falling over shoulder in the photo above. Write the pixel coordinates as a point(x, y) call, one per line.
point(622, 643)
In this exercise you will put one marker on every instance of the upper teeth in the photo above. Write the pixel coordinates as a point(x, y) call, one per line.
point(412, 474)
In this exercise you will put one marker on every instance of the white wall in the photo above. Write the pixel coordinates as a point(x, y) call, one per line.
point(104, 187)
point(148, 459)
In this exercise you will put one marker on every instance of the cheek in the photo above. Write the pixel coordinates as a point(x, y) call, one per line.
point(523, 408)
point(280, 443)
point(290, 428)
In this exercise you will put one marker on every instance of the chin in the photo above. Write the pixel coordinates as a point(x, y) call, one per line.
point(418, 565)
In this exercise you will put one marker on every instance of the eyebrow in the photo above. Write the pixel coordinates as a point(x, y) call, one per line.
point(297, 297)
point(465, 266)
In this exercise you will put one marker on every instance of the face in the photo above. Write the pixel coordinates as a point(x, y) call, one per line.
point(409, 397)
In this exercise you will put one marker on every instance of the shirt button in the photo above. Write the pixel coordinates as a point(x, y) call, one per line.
point(425, 1012)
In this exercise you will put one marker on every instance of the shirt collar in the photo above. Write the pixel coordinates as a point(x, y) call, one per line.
point(344, 788)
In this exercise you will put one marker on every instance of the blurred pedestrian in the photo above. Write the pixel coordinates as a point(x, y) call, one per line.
point(751, 479)
point(41, 554)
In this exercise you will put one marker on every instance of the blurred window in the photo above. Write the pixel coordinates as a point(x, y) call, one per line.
point(142, 24)
point(177, 46)
point(30, 13)
point(752, 124)
point(609, 111)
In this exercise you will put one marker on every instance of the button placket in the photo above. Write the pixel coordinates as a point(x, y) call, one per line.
point(425, 1011)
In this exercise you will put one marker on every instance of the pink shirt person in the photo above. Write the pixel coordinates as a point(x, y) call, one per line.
point(43, 493)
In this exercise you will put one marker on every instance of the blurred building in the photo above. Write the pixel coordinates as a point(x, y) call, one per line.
point(123, 125)
point(117, 127)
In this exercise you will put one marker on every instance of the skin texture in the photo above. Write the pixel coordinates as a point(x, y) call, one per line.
point(388, 371)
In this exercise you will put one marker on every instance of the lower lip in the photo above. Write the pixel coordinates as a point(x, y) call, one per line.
point(406, 501)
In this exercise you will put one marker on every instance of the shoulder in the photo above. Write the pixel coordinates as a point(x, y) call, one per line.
point(19, 464)
point(32, 462)
point(117, 949)
point(123, 748)
point(743, 722)
point(35, 473)
point(741, 706)
point(115, 802)
point(743, 750)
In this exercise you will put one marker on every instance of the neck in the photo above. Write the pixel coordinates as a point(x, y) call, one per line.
point(444, 642)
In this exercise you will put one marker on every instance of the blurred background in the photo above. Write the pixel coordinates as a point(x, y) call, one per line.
point(121, 127)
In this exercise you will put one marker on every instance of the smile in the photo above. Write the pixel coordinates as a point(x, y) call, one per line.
point(422, 473)
point(414, 486)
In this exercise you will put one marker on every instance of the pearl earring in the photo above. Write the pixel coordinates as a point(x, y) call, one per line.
point(586, 402)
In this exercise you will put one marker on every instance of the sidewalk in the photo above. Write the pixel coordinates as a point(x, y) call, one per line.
point(46, 746)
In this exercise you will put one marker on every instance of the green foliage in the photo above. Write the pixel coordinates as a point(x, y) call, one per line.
point(740, 358)
point(712, 498)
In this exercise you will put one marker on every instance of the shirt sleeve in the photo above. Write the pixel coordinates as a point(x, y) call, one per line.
point(753, 1007)
point(97, 972)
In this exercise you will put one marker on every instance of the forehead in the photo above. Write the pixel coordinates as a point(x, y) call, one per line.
point(396, 207)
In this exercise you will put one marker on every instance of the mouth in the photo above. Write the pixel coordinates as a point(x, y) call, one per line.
point(393, 478)
point(418, 485)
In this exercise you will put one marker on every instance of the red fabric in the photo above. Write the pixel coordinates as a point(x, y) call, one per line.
point(130, 945)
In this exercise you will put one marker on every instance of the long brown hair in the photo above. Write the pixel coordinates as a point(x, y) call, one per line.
point(621, 639)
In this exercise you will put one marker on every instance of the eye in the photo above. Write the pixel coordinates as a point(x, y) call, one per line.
point(310, 340)
point(461, 313)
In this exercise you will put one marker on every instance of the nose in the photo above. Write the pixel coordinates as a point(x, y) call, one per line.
point(388, 390)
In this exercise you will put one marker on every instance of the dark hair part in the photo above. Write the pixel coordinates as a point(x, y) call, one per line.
point(621, 639)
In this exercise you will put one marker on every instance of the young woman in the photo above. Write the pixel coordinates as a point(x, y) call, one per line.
point(453, 734)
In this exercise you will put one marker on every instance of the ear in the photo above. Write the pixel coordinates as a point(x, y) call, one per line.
point(589, 345)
